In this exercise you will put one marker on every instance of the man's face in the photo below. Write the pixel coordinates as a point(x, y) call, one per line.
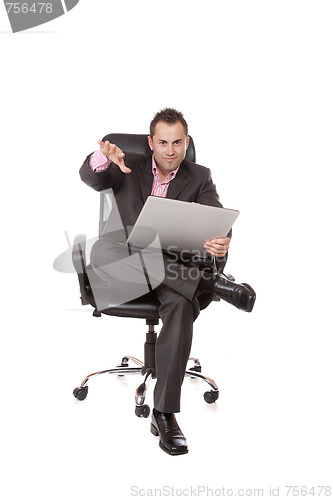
point(169, 144)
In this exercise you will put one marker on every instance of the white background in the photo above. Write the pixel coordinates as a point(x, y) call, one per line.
point(254, 81)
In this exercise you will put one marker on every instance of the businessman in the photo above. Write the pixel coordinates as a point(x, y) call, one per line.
point(164, 173)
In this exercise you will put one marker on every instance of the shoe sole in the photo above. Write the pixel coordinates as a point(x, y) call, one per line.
point(252, 300)
point(155, 431)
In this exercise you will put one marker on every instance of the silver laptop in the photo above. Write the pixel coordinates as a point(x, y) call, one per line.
point(180, 225)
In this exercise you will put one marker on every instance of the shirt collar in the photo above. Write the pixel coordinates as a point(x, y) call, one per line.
point(171, 175)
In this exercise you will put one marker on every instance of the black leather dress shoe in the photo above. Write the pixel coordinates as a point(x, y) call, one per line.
point(172, 440)
point(240, 295)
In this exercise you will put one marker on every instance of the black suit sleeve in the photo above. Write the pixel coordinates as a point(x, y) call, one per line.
point(208, 196)
point(109, 178)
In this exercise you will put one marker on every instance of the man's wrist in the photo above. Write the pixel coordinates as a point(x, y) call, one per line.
point(99, 162)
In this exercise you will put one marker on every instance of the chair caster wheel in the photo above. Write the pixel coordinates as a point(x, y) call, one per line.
point(211, 396)
point(142, 411)
point(81, 392)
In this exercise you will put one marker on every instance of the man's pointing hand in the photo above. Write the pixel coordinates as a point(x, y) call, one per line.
point(115, 154)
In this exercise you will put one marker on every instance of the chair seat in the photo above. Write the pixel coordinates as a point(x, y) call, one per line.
point(142, 307)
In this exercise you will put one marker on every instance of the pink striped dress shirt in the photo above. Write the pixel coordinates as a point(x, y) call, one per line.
point(99, 163)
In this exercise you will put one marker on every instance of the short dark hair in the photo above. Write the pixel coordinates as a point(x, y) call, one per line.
point(169, 116)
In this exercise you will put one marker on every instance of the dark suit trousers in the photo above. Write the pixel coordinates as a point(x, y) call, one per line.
point(178, 296)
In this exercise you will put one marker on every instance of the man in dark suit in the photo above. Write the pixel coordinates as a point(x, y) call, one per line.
point(165, 173)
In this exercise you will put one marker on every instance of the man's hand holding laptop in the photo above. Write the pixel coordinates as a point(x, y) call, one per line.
point(217, 247)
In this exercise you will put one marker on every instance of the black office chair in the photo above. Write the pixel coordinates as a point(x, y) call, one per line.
point(145, 307)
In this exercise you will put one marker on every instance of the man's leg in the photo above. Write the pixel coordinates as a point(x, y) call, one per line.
point(172, 351)
point(178, 310)
point(173, 347)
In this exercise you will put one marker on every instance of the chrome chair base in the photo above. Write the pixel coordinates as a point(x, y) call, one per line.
point(142, 409)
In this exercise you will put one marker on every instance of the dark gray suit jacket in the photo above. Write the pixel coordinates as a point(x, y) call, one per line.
point(192, 183)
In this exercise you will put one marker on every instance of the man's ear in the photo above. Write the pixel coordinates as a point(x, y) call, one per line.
point(187, 141)
point(150, 142)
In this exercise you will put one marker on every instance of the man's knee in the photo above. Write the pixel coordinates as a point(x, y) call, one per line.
point(173, 302)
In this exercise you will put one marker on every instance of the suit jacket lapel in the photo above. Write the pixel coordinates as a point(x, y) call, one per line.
point(146, 178)
point(178, 183)
point(146, 181)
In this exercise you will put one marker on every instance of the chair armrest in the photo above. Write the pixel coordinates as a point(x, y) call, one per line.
point(79, 262)
point(79, 253)
point(210, 262)
point(227, 276)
